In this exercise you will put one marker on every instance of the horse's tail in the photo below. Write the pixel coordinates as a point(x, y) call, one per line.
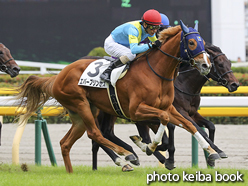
point(33, 94)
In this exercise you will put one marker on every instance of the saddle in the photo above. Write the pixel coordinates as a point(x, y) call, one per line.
point(124, 71)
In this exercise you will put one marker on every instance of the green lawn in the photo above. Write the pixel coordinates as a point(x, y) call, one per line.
point(112, 176)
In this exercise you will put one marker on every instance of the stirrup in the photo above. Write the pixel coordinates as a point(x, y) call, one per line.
point(105, 76)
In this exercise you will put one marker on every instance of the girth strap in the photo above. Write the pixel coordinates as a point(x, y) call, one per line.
point(112, 93)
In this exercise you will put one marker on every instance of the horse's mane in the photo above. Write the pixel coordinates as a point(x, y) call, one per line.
point(165, 34)
point(212, 47)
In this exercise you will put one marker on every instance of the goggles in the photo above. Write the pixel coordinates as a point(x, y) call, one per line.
point(153, 27)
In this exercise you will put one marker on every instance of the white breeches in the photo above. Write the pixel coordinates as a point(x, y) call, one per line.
point(117, 50)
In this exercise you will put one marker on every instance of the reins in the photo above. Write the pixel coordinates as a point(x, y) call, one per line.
point(156, 72)
point(179, 59)
point(186, 92)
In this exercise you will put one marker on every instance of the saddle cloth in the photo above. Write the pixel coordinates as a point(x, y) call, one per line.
point(91, 75)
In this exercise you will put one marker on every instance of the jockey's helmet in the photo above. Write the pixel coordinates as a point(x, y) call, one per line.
point(164, 20)
point(151, 17)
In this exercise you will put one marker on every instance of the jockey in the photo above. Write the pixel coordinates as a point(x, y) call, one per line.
point(123, 42)
point(165, 21)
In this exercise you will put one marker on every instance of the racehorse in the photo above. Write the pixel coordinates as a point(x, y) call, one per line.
point(7, 65)
point(7, 62)
point(145, 95)
point(187, 90)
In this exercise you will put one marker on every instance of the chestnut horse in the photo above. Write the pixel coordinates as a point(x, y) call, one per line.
point(7, 62)
point(187, 87)
point(7, 65)
point(145, 92)
point(220, 72)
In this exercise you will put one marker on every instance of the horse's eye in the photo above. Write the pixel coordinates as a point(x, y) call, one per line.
point(221, 65)
point(1, 52)
point(191, 42)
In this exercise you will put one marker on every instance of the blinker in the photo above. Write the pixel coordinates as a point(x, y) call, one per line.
point(186, 53)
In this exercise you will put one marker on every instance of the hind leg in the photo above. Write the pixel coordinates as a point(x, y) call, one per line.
point(76, 131)
point(93, 132)
point(106, 124)
point(95, 148)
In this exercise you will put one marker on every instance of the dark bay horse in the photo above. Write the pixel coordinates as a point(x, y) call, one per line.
point(7, 62)
point(7, 65)
point(143, 93)
point(187, 90)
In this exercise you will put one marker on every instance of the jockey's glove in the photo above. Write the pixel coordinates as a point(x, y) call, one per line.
point(156, 44)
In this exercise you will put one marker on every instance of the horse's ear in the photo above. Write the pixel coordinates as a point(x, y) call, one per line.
point(184, 28)
point(196, 26)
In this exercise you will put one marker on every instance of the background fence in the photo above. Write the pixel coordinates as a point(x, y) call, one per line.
point(45, 67)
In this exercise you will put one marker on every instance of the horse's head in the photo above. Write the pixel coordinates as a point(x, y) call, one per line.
point(192, 49)
point(221, 68)
point(7, 62)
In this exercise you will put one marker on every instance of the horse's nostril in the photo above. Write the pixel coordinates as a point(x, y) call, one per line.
point(204, 66)
point(234, 86)
point(16, 69)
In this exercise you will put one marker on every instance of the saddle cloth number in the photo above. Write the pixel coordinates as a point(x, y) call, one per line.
point(91, 75)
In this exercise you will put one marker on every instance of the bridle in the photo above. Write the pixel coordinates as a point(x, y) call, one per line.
point(220, 80)
point(3, 66)
point(190, 55)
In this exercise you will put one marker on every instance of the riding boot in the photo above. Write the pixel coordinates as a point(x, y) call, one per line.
point(106, 74)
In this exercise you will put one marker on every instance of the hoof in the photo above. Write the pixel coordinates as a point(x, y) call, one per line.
point(130, 157)
point(223, 155)
point(149, 152)
point(135, 162)
point(211, 163)
point(169, 164)
point(127, 168)
point(211, 159)
point(135, 138)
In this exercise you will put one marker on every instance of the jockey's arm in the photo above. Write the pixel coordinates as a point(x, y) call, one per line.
point(134, 42)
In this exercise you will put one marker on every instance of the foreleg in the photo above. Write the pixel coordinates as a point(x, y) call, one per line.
point(202, 122)
point(178, 119)
point(144, 112)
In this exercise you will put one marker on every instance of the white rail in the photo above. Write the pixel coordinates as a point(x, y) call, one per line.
point(43, 67)
point(240, 64)
point(206, 101)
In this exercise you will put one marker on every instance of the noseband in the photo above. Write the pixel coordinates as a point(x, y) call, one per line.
point(3, 66)
point(219, 78)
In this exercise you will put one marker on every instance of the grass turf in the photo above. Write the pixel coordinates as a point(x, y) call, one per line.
point(11, 175)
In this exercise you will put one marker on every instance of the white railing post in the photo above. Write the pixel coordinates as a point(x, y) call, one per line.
point(43, 70)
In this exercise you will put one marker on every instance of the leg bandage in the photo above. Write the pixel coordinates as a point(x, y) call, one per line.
point(203, 143)
point(159, 134)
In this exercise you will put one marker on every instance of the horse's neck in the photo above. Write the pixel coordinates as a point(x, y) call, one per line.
point(166, 65)
point(190, 80)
